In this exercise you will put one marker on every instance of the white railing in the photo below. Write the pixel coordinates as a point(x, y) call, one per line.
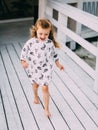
point(66, 11)
point(91, 6)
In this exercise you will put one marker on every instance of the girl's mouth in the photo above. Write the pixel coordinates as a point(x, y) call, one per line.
point(42, 39)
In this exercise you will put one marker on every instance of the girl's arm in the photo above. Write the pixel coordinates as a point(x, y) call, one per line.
point(56, 59)
point(59, 65)
point(24, 64)
point(23, 56)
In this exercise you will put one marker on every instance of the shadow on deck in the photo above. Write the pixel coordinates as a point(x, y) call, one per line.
point(73, 103)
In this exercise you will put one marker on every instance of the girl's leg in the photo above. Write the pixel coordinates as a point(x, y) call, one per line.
point(46, 100)
point(35, 91)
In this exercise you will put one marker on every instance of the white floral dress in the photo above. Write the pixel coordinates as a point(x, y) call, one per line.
point(40, 56)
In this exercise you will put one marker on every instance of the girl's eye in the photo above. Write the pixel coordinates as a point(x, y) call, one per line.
point(42, 34)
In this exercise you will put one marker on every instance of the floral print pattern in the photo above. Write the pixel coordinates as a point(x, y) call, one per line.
point(40, 56)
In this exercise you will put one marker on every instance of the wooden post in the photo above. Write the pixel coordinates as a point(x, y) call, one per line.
point(62, 19)
point(35, 10)
point(73, 25)
point(96, 73)
point(78, 25)
point(42, 8)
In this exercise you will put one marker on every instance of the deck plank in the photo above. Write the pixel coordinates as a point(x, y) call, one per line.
point(67, 113)
point(56, 117)
point(18, 94)
point(9, 104)
point(73, 103)
point(73, 95)
point(3, 125)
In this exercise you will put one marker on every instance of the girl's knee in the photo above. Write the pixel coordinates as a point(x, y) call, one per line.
point(35, 85)
point(45, 88)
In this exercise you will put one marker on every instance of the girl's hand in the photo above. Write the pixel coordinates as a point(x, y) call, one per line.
point(61, 67)
point(24, 64)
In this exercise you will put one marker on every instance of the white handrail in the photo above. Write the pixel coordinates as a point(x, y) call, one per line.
point(84, 18)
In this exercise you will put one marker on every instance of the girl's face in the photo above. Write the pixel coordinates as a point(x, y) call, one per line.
point(43, 34)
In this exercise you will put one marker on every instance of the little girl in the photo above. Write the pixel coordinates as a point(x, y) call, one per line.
point(37, 57)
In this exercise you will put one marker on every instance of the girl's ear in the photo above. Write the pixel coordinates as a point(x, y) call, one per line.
point(33, 31)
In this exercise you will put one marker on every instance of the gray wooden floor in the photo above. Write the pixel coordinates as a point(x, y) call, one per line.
point(73, 103)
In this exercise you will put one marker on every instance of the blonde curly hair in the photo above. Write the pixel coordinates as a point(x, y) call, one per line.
point(44, 23)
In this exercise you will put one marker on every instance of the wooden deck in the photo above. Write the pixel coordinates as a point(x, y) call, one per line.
point(73, 103)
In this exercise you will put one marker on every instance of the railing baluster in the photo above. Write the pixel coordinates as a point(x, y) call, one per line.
point(91, 7)
point(96, 73)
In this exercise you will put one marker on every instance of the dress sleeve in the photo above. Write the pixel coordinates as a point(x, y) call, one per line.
point(24, 51)
point(55, 54)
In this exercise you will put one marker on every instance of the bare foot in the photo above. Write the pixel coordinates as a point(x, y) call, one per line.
point(36, 100)
point(47, 113)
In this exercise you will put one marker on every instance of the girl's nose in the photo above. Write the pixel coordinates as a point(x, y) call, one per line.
point(43, 36)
